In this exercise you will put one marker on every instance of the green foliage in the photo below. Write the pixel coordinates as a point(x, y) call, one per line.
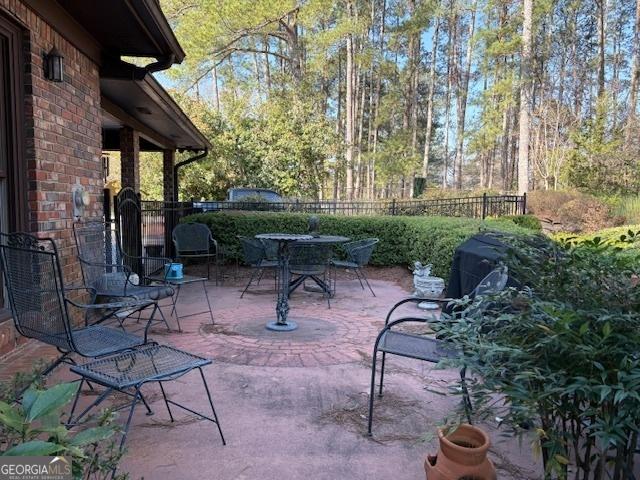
point(283, 145)
point(530, 222)
point(561, 353)
point(34, 428)
point(403, 240)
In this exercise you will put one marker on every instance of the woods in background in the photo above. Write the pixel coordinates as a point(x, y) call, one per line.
point(361, 99)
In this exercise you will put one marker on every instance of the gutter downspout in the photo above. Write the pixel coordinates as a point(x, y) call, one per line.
point(182, 164)
point(162, 64)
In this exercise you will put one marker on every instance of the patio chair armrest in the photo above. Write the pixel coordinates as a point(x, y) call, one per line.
point(72, 288)
point(398, 321)
point(441, 301)
point(137, 304)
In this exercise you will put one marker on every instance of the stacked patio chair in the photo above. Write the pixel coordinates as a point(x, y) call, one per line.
point(42, 310)
point(106, 270)
point(121, 362)
point(428, 349)
point(311, 260)
point(255, 256)
point(194, 241)
point(358, 255)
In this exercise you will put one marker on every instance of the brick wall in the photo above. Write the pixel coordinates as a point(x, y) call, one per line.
point(63, 139)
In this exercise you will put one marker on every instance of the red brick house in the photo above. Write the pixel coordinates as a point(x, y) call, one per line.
point(53, 130)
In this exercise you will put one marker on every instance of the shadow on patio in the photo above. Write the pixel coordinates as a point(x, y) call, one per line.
point(292, 405)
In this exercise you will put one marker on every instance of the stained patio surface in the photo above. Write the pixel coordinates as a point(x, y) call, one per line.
point(293, 405)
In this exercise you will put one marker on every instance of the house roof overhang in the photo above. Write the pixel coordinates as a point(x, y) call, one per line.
point(131, 96)
point(113, 28)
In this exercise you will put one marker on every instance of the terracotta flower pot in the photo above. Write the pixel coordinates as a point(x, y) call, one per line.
point(462, 456)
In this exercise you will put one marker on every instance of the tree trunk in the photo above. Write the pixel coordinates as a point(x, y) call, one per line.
point(463, 90)
point(432, 85)
point(635, 79)
point(350, 108)
point(453, 20)
point(525, 100)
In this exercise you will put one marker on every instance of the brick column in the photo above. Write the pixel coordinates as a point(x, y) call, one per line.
point(168, 160)
point(130, 158)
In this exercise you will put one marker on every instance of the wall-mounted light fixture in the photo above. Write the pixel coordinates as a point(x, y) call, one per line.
point(54, 66)
point(80, 200)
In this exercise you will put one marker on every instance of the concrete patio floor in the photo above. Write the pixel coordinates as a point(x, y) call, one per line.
point(293, 405)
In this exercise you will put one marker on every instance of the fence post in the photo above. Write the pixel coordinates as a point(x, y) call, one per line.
point(484, 205)
point(393, 206)
point(524, 203)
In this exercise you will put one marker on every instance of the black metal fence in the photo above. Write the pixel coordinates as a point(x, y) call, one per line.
point(147, 225)
point(472, 207)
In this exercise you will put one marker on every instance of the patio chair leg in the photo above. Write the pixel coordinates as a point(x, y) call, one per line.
point(64, 358)
point(215, 416)
point(372, 392)
point(164, 395)
point(253, 274)
point(206, 295)
point(357, 270)
point(167, 323)
point(384, 355)
point(127, 425)
point(149, 411)
point(366, 281)
point(75, 400)
point(466, 400)
point(260, 276)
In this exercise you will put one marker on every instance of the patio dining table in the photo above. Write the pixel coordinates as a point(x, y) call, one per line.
point(284, 240)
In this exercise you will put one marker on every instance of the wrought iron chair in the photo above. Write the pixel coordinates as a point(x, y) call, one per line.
point(194, 241)
point(106, 269)
point(41, 308)
point(358, 255)
point(254, 255)
point(311, 260)
point(428, 349)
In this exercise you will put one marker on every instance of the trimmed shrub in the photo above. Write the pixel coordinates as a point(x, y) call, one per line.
point(403, 240)
point(526, 221)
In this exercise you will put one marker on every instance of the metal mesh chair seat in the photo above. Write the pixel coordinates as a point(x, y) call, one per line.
point(344, 264)
point(139, 292)
point(96, 340)
point(140, 365)
point(415, 346)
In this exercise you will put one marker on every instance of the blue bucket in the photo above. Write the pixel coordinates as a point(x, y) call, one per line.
point(173, 271)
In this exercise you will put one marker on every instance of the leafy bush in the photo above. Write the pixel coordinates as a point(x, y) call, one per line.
point(562, 354)
point(530, 222)
point(403, 240)
point(34, 428)
point(574, 211)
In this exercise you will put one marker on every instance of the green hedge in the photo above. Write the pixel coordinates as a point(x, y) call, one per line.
point(403, 240)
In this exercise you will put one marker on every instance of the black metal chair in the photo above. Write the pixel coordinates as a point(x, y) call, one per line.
point(107, 271)
point(421, 347)
point(358, 255)
point(40, 306)
point(254, 255)
point(311, 260)
point(195, 241)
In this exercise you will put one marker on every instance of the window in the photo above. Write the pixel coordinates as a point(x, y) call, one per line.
point(12, 164)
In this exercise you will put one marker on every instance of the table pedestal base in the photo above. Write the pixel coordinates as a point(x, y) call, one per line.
point(428, 306)
point(282, 327)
